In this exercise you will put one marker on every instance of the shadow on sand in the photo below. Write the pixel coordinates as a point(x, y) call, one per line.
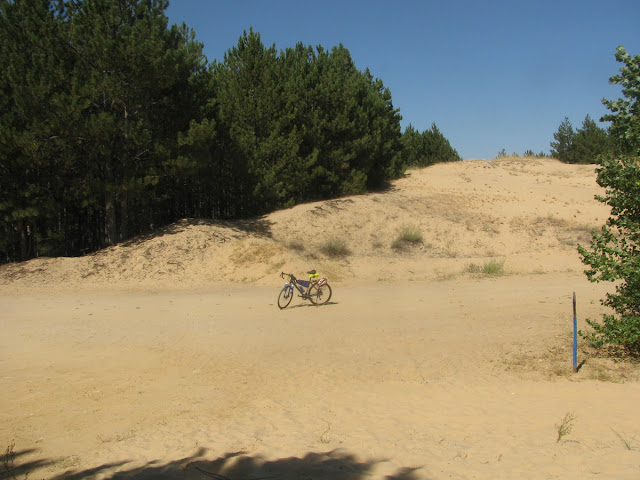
point(258, 226)
point(335, 465)
point(301, 305)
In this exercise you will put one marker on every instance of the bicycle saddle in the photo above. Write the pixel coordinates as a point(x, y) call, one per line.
point(311, 272)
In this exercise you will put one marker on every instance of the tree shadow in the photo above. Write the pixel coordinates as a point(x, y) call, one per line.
point(257, 226)
point(389, 186)
point(11, 467)
point(335, 465)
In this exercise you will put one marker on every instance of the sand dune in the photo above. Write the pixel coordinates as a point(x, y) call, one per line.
point(530, 213)
point(167, 357)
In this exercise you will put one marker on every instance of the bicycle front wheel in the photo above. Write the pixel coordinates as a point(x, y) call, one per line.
point(319, 295)
point(284, 299)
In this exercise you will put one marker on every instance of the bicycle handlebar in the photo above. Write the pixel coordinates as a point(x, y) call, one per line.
point(291, 276)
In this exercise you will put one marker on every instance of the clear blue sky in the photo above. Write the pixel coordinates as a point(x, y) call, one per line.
point(490, 74)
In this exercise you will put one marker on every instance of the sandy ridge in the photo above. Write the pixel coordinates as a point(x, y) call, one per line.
point(519, 210)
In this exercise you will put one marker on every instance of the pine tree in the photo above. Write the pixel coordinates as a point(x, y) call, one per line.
point(250, 106)
point(33, 110)
point(562, 148)
point(94, 95)
point(427, 148)
point(302, 124)
point(590, 142)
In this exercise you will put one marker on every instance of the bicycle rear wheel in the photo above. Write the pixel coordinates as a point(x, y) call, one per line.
point(319, 295)
point(284, 299)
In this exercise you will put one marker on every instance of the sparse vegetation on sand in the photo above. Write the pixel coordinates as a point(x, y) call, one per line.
point(490, 268)
point(335, 247)
point(407, 235)
point(8, 461)
point(565, 426)
point(627, 442)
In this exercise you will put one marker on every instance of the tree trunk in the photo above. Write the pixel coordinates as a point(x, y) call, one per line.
point(111, 229)
point(111, 226)
point(23, 241)
point(124, 216)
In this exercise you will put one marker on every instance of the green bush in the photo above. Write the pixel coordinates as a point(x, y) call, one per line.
point(614, 255)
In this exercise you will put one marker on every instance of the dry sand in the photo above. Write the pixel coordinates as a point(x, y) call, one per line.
point(167, 357)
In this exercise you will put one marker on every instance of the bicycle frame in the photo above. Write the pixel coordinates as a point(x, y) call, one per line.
point(293, 282)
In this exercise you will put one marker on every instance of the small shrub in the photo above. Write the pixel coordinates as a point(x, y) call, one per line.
point(473, 268)
point(296, 245)
point(411, 234)
point(491, 268)
point(335, 247)
point(324, 437)
point(397, 244)
point(407, 235)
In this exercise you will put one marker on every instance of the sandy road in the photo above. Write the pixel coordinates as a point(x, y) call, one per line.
point(393, 377)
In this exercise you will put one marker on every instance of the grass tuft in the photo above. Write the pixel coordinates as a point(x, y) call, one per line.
point(565, 426)
point(324, 437)
point(491, 268)
point(296, 245)
point(335, 247)
point(407, 235)
point(626, 442)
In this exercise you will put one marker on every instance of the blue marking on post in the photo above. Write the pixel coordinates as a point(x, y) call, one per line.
point(575, 335)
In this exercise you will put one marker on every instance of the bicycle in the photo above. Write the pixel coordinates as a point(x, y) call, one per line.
point(317, 291)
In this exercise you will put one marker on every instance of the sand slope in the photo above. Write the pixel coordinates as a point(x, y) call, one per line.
point(166, 357)
point(529, 212)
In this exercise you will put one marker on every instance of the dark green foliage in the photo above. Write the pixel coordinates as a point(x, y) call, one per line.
point(93, 99)
point(562, 148)
point(585, 145)
point(590, 142)
point(426, 148)
point(527, 154)
point(614, 255)
point(530, 153)
point(133, 79)
point(625, 112)
point(302, 124)
point(112, 123)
